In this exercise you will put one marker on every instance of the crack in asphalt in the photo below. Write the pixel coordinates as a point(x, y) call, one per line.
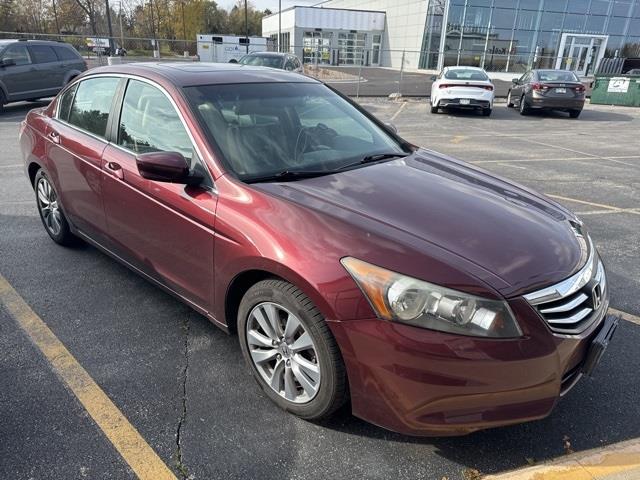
point(182, 469)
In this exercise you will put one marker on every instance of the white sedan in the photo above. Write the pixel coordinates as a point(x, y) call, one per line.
point(462, 87)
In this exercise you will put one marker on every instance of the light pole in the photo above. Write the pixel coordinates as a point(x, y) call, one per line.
point(279, 25)
point(246, 26)
point(111, 43)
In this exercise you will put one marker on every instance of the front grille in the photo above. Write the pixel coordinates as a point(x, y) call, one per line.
point(572, 305)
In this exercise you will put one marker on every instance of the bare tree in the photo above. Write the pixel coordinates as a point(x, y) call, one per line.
point(89, 8)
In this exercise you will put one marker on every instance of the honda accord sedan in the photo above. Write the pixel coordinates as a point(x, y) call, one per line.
point(433, 297)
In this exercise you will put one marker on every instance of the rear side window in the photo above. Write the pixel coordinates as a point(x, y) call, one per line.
point(91, 104)
point(66, 53)
point(42, 54)
point(18, 53)
point(149, 123)
point(65, 103)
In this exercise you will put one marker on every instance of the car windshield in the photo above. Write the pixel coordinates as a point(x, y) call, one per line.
point(465, 74)
point(270, 128)
point(262, 61)
point(557, 76)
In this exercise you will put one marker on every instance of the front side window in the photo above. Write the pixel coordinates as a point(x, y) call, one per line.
point(43, 54)
point(18, 53)
point(268, 128)
point(92, 103)
point(150, 123)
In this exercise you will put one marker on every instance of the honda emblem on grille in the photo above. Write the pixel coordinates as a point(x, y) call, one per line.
point(596, 296)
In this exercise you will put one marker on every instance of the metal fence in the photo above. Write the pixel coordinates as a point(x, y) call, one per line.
point(353, 70)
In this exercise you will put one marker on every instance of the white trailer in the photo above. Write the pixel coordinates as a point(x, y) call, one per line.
point(224, 48)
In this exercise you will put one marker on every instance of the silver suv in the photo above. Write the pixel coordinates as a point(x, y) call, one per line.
point(32, 69)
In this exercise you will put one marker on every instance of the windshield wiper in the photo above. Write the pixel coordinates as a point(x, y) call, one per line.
point(373, 158)
point(288, 175)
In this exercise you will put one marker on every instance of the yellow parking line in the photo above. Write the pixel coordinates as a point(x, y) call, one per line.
point(625, 316)
point(584, 202)
point(125, 438)
point(395, 115)
point(619, 460)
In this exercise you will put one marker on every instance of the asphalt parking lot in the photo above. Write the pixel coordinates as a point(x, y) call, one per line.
point(183, 385)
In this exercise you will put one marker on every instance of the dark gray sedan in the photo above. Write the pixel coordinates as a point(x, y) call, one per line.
point(547, 90)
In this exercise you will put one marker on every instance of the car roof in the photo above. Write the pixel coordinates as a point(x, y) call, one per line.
point(462, 67)
point(183, 74)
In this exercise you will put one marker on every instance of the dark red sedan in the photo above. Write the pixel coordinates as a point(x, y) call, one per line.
point(353, 265)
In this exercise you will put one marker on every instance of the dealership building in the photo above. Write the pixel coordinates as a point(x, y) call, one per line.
point(498, 35)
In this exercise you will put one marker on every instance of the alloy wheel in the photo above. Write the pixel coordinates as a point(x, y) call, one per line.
point(49, 207)
point(283, 352)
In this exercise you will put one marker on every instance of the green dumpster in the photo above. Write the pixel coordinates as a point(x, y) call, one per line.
point(621, 89)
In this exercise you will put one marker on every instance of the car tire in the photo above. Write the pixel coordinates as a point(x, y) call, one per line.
point(310, 383)
point(509, 102)
point(434, 109)
point(486, 112)
point(574, 113)
point(524, 108)
point(53, 219)
point(3, 100)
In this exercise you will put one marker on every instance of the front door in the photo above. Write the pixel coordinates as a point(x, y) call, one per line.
point(163, 229)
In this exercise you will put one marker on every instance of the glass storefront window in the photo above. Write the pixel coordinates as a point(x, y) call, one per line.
point(595, 24)
point(578, 6)
point(600, 7)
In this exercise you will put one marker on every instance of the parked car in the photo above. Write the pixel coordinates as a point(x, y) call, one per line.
point(33, 69)
point(282, 61)
point(463, 88)
point(351, 264)
point(547, 90)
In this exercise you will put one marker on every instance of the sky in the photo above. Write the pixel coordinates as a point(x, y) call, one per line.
point(270, 4)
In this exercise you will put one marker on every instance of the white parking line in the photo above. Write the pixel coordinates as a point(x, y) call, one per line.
point(395, 115)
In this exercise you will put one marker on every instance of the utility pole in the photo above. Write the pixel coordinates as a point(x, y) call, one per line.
point(111, 44)
point(246, 26)
point(153, 29)
point(184, 27)
point(121, 31)
point(55, 15)
point(279, 25)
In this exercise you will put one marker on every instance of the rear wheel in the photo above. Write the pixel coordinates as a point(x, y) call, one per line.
point(486, 112)
point(575, 113)
point(290, 350)
point(524, 108)
point(53, 219)
point(434, 109)
point(3, 100)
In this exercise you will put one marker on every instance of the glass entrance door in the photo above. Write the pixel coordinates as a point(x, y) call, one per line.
point(581, 53)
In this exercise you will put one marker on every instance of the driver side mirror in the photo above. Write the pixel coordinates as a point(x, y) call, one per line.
point(515, 81)
point(391, 127)
point(7, 62)
point(169, 167)
point(434, 78)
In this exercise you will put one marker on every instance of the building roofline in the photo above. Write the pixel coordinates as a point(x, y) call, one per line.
point(314, 7)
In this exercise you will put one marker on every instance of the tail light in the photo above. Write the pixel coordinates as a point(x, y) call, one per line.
point(488, 87)
point(444, 85)
point(580, 89)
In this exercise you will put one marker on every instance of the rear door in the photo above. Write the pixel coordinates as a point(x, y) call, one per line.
point(163, 229)
point(76, 139)
point(20, 79)
point(49, 70)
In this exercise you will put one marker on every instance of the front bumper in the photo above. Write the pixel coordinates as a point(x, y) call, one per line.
point(421, 382)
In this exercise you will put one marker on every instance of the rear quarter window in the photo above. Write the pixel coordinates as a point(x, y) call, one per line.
point(42, 54)
point(67, 53)
point(65, 103)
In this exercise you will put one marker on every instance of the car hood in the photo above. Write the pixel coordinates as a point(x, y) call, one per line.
point(522, 238)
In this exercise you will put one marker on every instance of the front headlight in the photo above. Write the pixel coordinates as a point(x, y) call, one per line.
point(404, 299)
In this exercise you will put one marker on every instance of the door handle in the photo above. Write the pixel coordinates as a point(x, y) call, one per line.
point(115, 169)
point(54, 136)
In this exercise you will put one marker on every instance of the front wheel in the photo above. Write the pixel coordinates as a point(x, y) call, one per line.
point(509, 101)
point(524, 108)
point(290, 350)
